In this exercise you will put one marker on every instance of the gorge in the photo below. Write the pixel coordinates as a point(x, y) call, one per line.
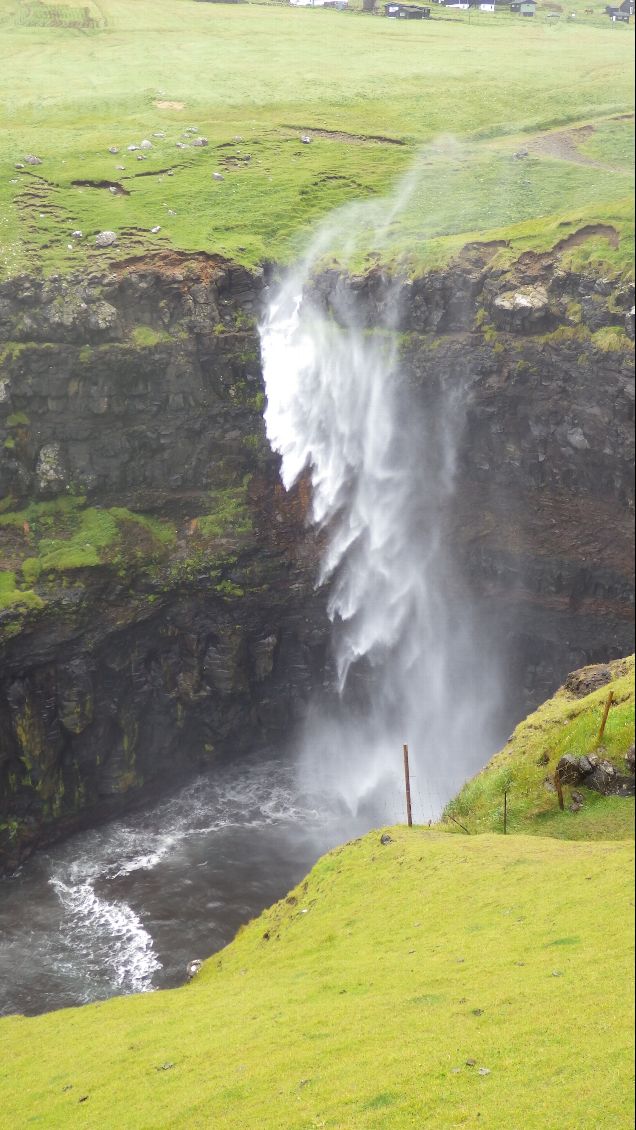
point(197, 627)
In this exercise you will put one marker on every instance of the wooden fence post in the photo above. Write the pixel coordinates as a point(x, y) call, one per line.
point(610, 699)
point(407, 782)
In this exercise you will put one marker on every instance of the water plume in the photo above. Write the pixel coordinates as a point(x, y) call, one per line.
point(409, 659)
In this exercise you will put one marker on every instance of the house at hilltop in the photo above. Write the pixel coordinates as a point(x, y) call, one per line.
point(620, 13)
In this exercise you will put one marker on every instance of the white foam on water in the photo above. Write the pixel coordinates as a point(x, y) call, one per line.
point(105, 939)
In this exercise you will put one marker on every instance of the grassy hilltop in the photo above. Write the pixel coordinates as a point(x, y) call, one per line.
point(420, 980)
point(459, 94)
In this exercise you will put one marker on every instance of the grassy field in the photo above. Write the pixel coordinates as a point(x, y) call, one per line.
point(455, 97)
point(428, 982)
point(564, 724)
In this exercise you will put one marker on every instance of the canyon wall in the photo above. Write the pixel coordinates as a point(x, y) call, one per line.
point(158, 606)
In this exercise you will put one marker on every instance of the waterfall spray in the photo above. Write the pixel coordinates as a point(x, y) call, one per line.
point(409, 663)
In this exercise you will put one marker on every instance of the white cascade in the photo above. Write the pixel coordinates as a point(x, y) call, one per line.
point(409, 658)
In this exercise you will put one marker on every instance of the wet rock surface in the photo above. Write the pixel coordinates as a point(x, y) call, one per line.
point(140, 386)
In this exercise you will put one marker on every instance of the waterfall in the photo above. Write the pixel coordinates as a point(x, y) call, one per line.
point(409, 658)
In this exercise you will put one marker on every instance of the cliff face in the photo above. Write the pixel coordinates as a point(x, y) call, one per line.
point(158, 606)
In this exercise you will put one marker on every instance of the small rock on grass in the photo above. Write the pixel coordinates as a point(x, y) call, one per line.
point(386, 839)
point(471, 1063)
point(483, 1071)
point(146, 144)
point(201, 142)
point(106, 239)
point(218, 176)
point(113, 149)
point(155, 229)
point(31, 159)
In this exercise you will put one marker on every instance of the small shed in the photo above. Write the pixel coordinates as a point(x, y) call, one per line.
point(527, 7)
point(407, 12)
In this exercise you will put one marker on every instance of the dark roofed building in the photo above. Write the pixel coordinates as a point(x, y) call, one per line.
point(407, 12)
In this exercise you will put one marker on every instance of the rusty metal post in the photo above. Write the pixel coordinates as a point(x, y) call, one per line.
point(559, 789)
point(407, 782)
point(610, 699)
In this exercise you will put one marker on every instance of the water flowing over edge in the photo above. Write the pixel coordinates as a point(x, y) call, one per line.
point(410, 662)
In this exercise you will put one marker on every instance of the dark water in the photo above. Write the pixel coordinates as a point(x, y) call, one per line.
point(124, 907)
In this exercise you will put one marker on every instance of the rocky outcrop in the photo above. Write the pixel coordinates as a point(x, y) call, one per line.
point(196, 631)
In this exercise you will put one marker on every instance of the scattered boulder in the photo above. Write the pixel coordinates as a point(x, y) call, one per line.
point(180, 145)
point(386, 839)
point(113, 149)
point(132, 148)
point(106, 239)
point(588, 679)
point(595, 773)
point(155, 229)
point(520, 154)
point(630, 760)
point(146, 144)
point(306, 140)
point(193, 967)
point(141, 157)
point(569, 770)
point(201, 142)
point(31, 159)
point(218, 176)
point(576, 802)
point(77, 234)
point(19, 165)
point(158, 133)
point(524, 309)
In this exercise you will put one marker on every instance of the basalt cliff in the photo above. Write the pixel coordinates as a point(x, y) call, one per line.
point(158, 605)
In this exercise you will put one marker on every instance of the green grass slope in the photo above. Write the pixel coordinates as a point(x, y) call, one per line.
point(461, 93)
point(433, 981)
point(525, 768)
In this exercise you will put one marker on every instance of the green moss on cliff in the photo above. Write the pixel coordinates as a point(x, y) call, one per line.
point(230, 514)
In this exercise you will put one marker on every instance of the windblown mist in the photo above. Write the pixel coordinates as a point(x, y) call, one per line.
point(410, 660)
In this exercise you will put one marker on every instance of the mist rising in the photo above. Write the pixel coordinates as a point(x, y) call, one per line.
point(409, 656)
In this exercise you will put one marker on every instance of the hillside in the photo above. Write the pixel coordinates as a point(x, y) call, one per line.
point(415, 978)
point(524, 155)
point(568, 723)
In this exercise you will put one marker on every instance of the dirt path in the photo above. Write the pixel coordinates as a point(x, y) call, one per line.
point(564, 145)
